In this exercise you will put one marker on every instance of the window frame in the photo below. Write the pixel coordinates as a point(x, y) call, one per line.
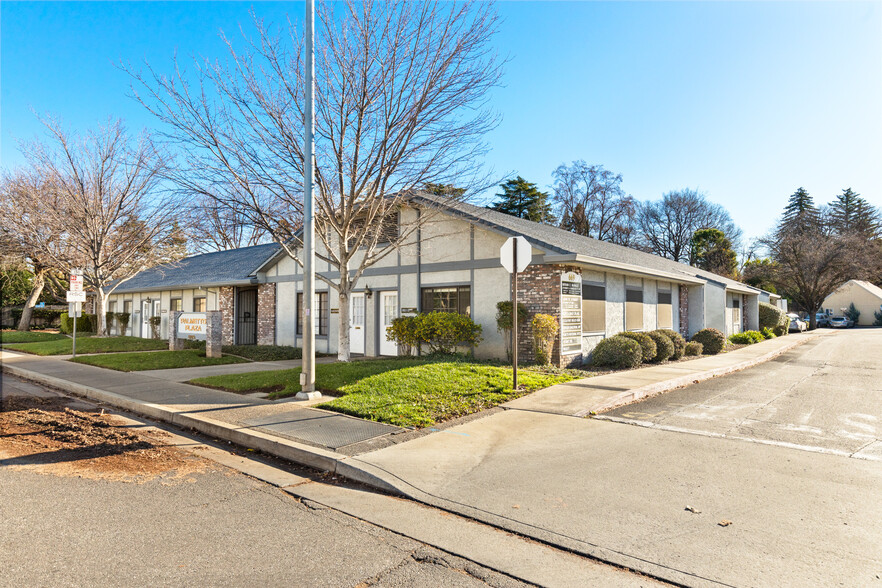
point(460, 291)
point(669, 304)
point(323, 315)
point(587, 290)
point(631, 310)
point(204, 300)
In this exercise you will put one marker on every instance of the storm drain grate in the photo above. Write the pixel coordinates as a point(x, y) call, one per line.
point(320, 427)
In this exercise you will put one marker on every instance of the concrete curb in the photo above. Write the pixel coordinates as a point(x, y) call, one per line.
point(299, 453)
point(674, 383)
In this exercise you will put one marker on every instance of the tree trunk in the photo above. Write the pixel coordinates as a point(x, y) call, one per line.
point(343, 323)
point(101, 313)
point(24, 324)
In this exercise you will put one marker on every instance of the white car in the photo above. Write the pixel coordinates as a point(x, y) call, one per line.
point(796, 323)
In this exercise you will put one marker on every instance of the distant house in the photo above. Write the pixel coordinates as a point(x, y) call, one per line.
point(595, 289)
point(866, 297)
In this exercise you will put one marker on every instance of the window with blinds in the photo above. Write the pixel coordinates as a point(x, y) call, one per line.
point(387, 229)
point(665, 311)
point(593, 308)
point(456, 299)
point(177, 304)
point(633, 309)
point(199, 304)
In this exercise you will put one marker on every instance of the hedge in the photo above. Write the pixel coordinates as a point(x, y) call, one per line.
point(647, 345)
point(84, 323)
point(443, 332)
point(617, 352)
point(663, 345)
point(712, 340)
point(771, 316)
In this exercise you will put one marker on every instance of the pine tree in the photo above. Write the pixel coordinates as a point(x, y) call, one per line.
point(712, 251)
point(850, 213)
point(523, 199)
point(800, 209)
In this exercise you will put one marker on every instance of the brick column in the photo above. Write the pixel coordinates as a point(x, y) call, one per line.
point(684, 311)
point(226, 306)
point(266, 314)
point(744, 313)
point(539, 292)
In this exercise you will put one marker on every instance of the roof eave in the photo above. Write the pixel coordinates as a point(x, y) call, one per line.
point(624, 268)
point(197, 286)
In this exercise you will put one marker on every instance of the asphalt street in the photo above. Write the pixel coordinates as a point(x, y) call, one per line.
point(825, 395)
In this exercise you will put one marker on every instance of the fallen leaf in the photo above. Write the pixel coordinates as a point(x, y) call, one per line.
point(724, 523)
point(690, 509)
point(516, 506)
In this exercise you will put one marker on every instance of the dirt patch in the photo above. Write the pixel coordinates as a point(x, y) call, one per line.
point(46, 435)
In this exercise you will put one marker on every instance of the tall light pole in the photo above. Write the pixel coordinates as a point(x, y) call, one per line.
point(307, 374)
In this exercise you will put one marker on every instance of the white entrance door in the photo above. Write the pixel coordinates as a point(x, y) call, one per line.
point(356, 323)
point(388, 313)
point(145, 319)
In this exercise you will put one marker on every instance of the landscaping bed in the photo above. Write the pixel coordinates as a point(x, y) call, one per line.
point(90, 344)
point(157, 360)
point(404, 392)
point(9, 336)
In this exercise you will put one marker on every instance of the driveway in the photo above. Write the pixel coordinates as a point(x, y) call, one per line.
point(658, 500)
point(825, 396)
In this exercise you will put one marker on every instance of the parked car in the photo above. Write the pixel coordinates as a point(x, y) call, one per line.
point(823, 319)
point(796, 323)
point(841, 322)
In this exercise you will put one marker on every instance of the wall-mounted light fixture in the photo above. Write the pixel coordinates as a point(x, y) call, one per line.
point(149, 300)
point(367, 291)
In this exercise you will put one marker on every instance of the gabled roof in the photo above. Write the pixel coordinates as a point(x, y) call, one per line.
point(221, 268)
point(566, 243)
point(868, 286)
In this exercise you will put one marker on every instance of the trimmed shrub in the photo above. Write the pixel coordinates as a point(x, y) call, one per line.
point(647, 345)
point(617, 352)
point(443, 332)
point(108, 320)
point(404, 331)
point(768, 333)
point(770, 315)
point(503, 321)
point(123, 318)
point(84, 323)
point(678, 341)
point(155, 322)
point(783, 328)
point(878, 315)
point(663, 345)
point(693, 349)
point(712, 340)
point(545, 328)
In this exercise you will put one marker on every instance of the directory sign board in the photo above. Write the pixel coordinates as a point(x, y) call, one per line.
point(570, 313)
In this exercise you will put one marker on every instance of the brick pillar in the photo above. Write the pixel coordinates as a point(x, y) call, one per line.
point(266, 314)
point(213, 333)
point(226, 306)
point(539, 291)
point(175, 343)
point(684, 311)
point(744, 313)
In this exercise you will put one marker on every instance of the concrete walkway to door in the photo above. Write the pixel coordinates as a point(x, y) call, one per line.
point(187, 374)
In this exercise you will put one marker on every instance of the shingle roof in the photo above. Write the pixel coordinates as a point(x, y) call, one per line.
point(562, 241)
point(221, 268)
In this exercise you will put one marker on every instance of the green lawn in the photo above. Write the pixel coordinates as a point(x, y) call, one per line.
point(7, 336)
point(91, 345)
point(412, 392)
point(158, 360)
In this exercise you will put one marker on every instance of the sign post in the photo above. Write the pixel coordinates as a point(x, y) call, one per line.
point(75, 298)
point(515, 255)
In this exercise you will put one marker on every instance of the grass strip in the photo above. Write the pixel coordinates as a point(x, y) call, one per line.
point(409, 392)
point(7, 336)
point(91, 345)
point(159, 360)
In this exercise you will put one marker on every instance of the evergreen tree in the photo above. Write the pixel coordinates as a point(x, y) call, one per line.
point(800, 210)
point(523, 199)
point(712, 251)
point(850, 213)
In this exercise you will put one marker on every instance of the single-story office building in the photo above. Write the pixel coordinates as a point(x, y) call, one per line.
point(595, 289)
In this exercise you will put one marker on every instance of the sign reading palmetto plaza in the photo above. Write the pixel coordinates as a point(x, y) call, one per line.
point(192, 326)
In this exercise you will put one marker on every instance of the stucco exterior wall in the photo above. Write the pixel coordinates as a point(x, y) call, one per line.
point(864, 300)
point(715, 307)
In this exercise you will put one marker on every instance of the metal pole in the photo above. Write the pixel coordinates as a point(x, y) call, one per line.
point(74, 344)
point(307, 375)
point(514, 317)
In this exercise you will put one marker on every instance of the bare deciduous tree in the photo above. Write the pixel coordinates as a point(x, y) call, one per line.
point(105, 190)
point(401, 92)
point(591, 202)
point(667, 225)
point(28, 209)
point(216, 226)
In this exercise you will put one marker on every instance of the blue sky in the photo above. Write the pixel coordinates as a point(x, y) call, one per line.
point(746, 101)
